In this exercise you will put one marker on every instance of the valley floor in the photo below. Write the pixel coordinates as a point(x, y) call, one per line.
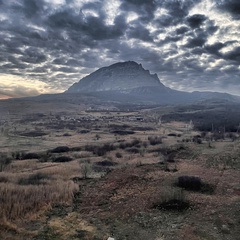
point(126, 175)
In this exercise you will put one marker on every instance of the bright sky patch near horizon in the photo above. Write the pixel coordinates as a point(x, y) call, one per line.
point(47, 45)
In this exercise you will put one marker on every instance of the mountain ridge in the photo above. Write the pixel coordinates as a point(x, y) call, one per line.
point(121, 76)
point(130, 82)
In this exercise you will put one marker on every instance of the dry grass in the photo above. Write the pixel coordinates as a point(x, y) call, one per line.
point(66, 227)
point(132, 187)
point(18, 201)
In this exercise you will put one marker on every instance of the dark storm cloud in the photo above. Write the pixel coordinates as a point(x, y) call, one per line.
point(59, 43)
point(144, 8)
point(214, 48)
point(39, 70)
point(92, 27)
point(34, 59)
point(67, 70)
point(59, 61)
point(15, 65)
point(73, 62)
point(182, 30)
point(138, 31)
point(32, 7)
point(231, 6)
point(195, 21)
point(66, 19)
point(196, 42)
point(233, 54)
point(2, 59)
point(198, 51)
point(140, 2)
point(99, 31)
point(176, 11)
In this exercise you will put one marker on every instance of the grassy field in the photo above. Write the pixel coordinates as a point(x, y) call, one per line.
point(92, 175)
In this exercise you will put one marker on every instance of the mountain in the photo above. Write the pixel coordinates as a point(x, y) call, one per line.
point(128, 82)
point(122, 77)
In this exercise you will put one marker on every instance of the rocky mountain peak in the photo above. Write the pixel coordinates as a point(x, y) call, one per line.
point(121, 76)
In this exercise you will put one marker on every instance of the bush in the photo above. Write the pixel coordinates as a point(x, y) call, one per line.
point(3, 179)
point(170, 157)
point(34, 179)
point(67, 135)
point(135, 142)
point(4, 161)
point(106, 163)
point(100, 150)
point(85, 169)
point(123, 145)
point(232, 136)
point(197, 139)
point(123, 132)
point(76, 149)
point(172, 135)
point(108, 147)
point(30, 156)
point(89, 148)
point(190, 183)
point(33, 134)
point(172, 200)
point(62, 159)
point(84, 131)
point(218, 136)
point(118, 155)
point(45, 157)
point(60, 149)
point(18, 155)
point(133, 150)
point(154, 140)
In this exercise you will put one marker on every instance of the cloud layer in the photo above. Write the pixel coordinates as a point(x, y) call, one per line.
point(190, 44)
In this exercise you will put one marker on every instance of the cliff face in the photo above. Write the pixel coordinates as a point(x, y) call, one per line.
point(122, 77)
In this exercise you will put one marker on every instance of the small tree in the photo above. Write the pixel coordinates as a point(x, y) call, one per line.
point(85, 169)
point(4, 162)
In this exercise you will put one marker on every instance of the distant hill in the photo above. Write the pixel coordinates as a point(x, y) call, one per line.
point(128, 82)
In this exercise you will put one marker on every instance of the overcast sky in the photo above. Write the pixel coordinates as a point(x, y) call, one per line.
point(47, 45)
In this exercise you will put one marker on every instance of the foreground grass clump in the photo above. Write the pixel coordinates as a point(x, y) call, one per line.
point(21, 200)
point(132, 150)
point(172, 200)
point(3, 179)
point(33, 134)
point(154, 140)
point(4, 162)
point(60, 149)
point(62, 159)
point(106, 163)
point(118, 155)
point(30, 156)
point(134, 143)
point(100, 150)
point(34, 179)
point(190, 183)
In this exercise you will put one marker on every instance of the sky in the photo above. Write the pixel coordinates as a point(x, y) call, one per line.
point(47, 45)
